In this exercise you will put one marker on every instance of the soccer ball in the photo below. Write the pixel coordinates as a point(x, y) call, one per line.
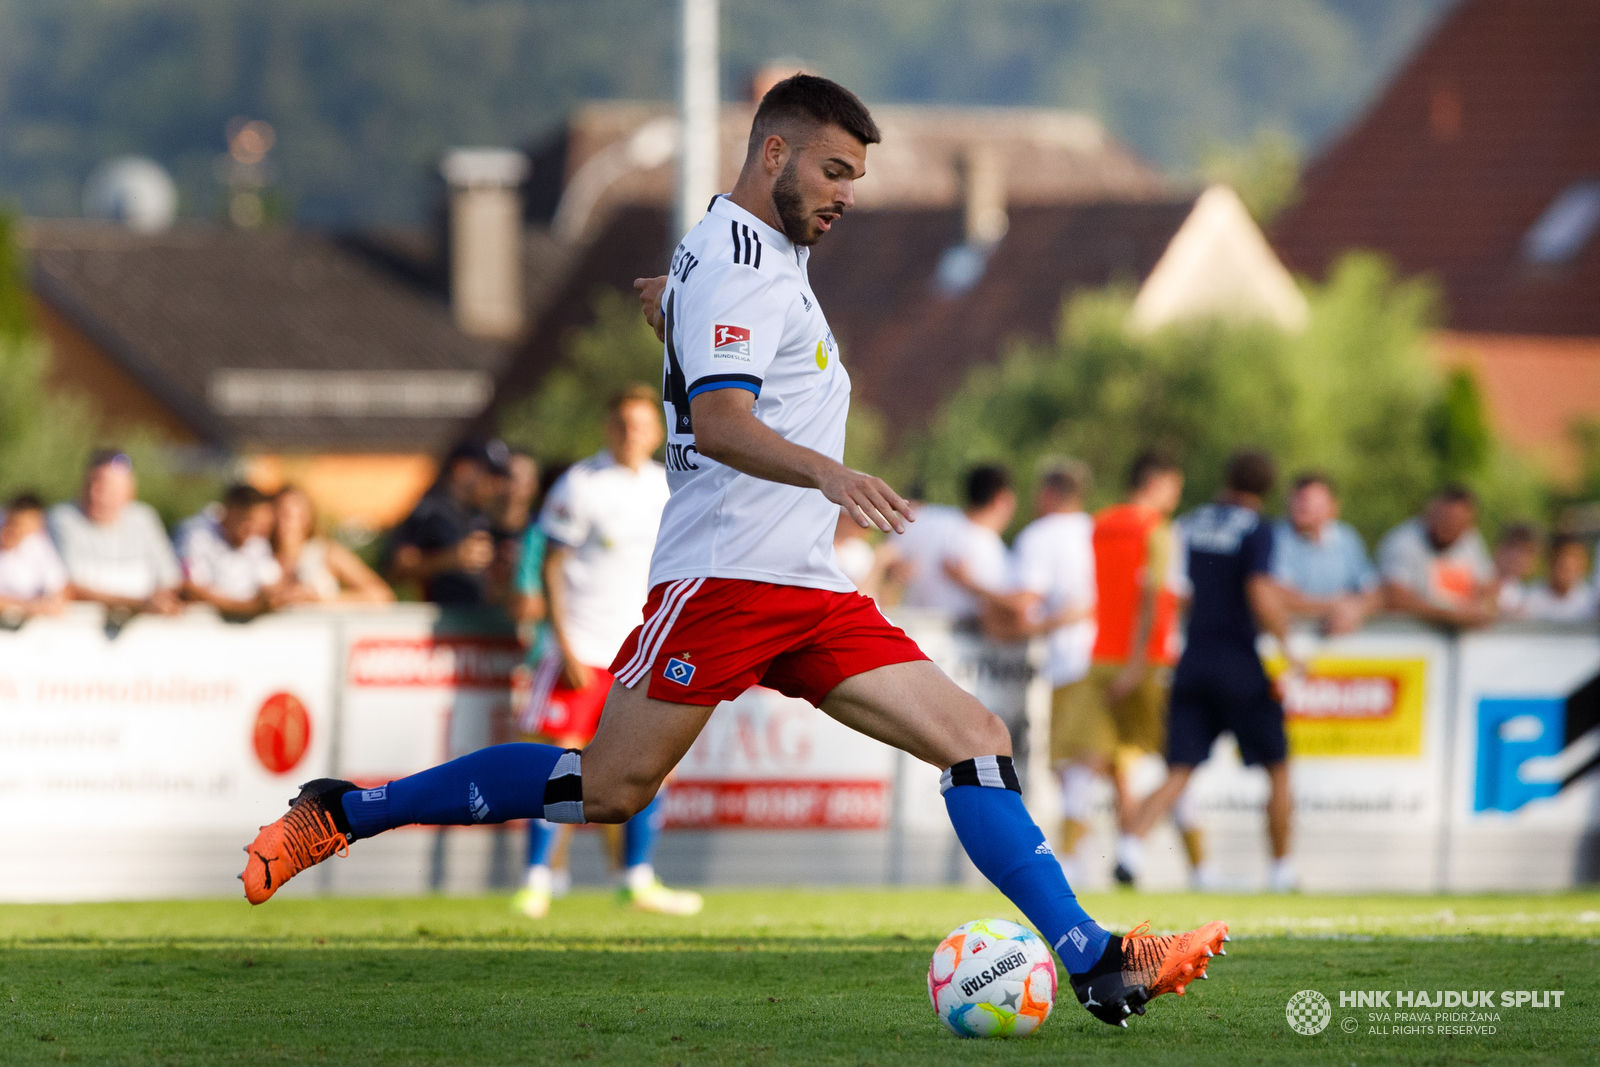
point(992, 978)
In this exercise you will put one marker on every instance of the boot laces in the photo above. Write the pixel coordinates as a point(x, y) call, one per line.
point(310, 835)
point(1142, 951)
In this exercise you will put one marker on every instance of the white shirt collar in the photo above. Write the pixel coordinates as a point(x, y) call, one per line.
point(723, 207)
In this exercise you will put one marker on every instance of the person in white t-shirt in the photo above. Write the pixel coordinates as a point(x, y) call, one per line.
point(600, 521)
point(226, 557)
point(959, 567)
point(33, 579)
point(1565, 595)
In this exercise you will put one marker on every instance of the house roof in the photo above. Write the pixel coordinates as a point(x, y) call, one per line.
point(1491, 121)
point(907, 346)
point(268, 339)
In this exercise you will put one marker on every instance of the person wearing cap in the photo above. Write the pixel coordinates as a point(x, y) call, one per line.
point(114, 546)
point(447, 545)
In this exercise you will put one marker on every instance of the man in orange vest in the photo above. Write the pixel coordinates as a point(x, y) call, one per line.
point(1117, 712)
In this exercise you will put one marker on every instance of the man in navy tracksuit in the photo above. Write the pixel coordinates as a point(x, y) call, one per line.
point(1220, 685)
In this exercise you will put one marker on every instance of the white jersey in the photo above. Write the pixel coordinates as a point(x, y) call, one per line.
point(944, 534)
point(1054, 557)
point(607, 515)
point(740, 314)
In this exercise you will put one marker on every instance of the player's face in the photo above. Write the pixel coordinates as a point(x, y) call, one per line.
point(110, 488)
point(633, 432)
point(1568, 567)
point(1450, 519)
point(817, 184)
point(19, 526)
point(1312, 507)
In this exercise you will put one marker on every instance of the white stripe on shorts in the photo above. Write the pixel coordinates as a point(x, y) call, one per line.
point(651, 625)
point(662, 632)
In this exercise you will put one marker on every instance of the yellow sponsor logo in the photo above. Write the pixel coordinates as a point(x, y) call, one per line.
point(822, 354)
point(1347, 706)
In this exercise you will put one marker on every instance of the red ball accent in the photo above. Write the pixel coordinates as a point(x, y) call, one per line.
point(282, 732)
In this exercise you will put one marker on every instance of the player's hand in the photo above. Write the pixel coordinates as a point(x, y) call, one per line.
point(650, 290)
point(1345, 616)
point(575, 674)
point(475, 552)
point(1126, 681)
point(867, 500)
point(164, 602)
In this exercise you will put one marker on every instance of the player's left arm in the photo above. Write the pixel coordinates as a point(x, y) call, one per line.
point(1267, 601)
point(726, 430)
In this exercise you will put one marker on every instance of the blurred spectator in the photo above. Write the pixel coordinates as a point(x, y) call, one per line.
point(447, 543)
point(521, 485)
point(227, 560)
point(957, 560)
point(1565, 596)
point(317, 568)
point(33, 579)
point(114, 546)
point(1320, 561)
point(1435, 566)
point(1054, 573)
point(1516, 557)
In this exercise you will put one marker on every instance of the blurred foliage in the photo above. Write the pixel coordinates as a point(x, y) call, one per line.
point(1356, 395)
point(1265, 172)
point(46, 437)
point(365, 94)
point(564, 419)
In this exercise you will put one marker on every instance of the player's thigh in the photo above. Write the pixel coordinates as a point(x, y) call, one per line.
point(916, 708)
point(637, 744)
point(1141, 716)
point(1081, 728)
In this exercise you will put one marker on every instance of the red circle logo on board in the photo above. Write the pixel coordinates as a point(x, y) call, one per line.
point(283, 732)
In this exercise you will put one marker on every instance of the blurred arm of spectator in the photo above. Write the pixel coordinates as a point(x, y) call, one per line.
point(114, 547)
point(1319, 562)
point(33, 580)
point(227, 560)
point(1435, 567)
point(565, 525)
point(446, 544)
point(1566, 596)
point(316, 568)
point(527, 603)
point(1516, 557)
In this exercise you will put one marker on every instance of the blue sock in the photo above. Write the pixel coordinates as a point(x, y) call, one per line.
point(640, 833)
point(985, 805)
point(490, 785)
point(541, 842)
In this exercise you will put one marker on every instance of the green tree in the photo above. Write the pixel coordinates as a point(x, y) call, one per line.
point(1265, 172)
point(1355, 395)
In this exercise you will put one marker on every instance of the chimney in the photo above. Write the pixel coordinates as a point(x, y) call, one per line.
point(983, 178)
point(486, 289)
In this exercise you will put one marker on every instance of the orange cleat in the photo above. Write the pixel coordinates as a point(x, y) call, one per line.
point(313, 829)
point(1140, 966)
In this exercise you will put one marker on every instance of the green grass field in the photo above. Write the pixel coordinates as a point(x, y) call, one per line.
point(762, 977)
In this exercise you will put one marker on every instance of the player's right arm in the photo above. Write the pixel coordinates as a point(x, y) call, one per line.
point(726, 430)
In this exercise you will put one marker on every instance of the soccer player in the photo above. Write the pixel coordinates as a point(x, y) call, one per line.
point(599, 522)
point(744, 586)
point(1220, 684)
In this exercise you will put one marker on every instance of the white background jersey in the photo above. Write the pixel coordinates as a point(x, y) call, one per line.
point(944, 533)
point(741, 314)
point(1054, 557)
point(608, 515)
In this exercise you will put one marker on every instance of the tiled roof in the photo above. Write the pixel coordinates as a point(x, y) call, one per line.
point(1486, 126)
point(180, 308)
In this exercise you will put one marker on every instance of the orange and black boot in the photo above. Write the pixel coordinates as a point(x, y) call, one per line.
point(313, 829)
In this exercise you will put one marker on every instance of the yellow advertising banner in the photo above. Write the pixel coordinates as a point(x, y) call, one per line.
point(1354, 706)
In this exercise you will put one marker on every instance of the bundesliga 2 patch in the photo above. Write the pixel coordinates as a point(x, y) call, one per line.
point(730, 342)
point(678, 671)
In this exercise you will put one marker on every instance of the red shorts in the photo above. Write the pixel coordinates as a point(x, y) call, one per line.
point(558, 711)
point(706, 640)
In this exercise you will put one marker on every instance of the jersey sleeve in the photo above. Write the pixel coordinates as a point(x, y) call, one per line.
point(1030, 564)
point(1257, 550)
point(726, 331)
point(564, 518)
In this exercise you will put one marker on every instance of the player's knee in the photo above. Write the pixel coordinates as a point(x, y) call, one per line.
point(618, 803)
point(983, 734)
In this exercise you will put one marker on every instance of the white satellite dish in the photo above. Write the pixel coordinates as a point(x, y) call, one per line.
point(134, 191)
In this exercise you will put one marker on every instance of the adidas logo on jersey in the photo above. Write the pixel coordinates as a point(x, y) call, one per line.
point(1043, 850)
point(476, 804)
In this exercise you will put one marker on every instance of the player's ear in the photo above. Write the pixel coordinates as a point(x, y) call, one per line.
point(774, 152)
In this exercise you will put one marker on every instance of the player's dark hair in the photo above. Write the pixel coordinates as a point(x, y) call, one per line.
point(1559, 542)
point(1066, 477)
point(25, 502)
point(1456, 493)
point(1518, 534)
point(985, 483)
point(1315, 477)
point(1250, 471)
point(1148, 464)
point(241, 495)
point(632, 393)
point(810, 100)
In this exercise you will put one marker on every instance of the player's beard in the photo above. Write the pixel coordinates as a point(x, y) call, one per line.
point(791, 207)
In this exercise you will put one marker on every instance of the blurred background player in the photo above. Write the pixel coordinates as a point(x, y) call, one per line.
point(1053, 561)
point(951, 561)
point(1321, 562)
point(1220, 685)
point(1102, 724)
point(599, 521)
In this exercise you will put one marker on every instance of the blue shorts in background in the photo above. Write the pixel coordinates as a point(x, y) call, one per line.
point(1223, 688)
